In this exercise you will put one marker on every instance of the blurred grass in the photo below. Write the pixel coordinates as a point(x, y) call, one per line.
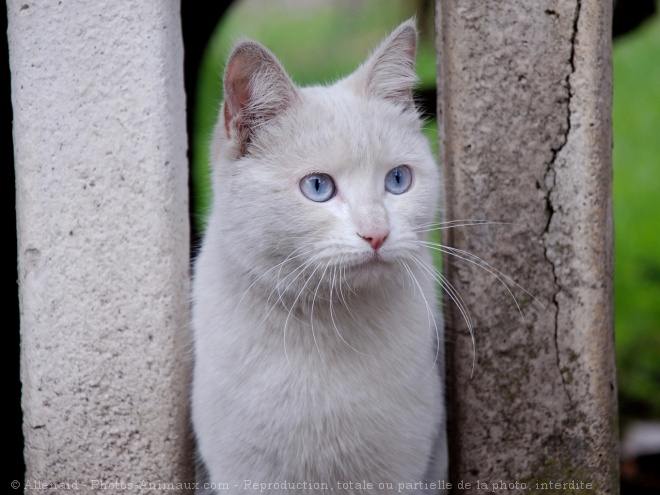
point(636, 163)
point(324, 43)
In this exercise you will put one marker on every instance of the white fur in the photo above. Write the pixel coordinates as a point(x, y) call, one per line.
point(315, 359)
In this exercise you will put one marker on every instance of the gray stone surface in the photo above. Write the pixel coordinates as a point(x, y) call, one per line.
point(101, 180)
point(525, 138)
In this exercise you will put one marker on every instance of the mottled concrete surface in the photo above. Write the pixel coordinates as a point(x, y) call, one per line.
point(100, 143)
point(525, 138)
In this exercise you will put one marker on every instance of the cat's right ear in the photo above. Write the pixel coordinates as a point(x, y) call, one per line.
point(257, 88)
point(389, 73)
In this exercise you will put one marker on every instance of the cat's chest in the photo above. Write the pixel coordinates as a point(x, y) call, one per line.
point(337, 357)
point(267, 392)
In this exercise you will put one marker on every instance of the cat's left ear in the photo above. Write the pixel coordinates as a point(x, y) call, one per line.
point(257, 89)
point(390, 71)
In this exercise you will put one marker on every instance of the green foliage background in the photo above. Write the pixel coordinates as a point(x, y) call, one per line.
point(636, 163)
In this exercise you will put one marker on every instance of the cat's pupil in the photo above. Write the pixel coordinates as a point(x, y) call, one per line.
point(317, 184)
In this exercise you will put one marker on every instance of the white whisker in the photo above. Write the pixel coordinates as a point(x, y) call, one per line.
point(460, 304)
point(343, 298)
point(332, 318)
point(286, 322)
point(298, 271)
point(290, 257)
point(477, 261)
point(430, 315)
point(311, 315)
point(455, 224)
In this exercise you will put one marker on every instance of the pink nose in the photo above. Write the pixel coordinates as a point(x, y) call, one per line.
point(376, 238)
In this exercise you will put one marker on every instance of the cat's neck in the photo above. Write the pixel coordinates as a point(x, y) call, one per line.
point(330, 301)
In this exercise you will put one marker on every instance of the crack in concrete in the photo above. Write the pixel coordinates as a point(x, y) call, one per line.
point(550, 174)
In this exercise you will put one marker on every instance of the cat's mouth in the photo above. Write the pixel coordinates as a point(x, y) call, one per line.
point(369, 261)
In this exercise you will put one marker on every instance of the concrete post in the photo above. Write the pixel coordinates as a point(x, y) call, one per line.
point(101, 180)
point(524, 111)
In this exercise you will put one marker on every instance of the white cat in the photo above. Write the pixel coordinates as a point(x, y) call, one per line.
point(318, 343)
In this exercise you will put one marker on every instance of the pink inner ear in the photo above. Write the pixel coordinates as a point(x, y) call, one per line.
point(227, 120)
point(256, 89)
point(237, 88)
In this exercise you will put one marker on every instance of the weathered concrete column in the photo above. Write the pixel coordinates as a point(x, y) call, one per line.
point(524, 112)
point(100, 143)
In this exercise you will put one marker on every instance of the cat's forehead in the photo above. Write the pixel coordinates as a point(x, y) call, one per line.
point(351, 128)
point(341, 108)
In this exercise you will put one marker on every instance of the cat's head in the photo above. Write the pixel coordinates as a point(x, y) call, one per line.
point(332, 178)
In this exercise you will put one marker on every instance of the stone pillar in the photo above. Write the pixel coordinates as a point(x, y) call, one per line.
point(101, 182)
point(524, 100)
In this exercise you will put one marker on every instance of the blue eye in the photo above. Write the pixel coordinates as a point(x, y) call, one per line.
point(398, 180)
point(318, 187)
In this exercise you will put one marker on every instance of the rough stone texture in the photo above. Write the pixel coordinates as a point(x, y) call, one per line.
point(524, 109)
point(100, 143)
